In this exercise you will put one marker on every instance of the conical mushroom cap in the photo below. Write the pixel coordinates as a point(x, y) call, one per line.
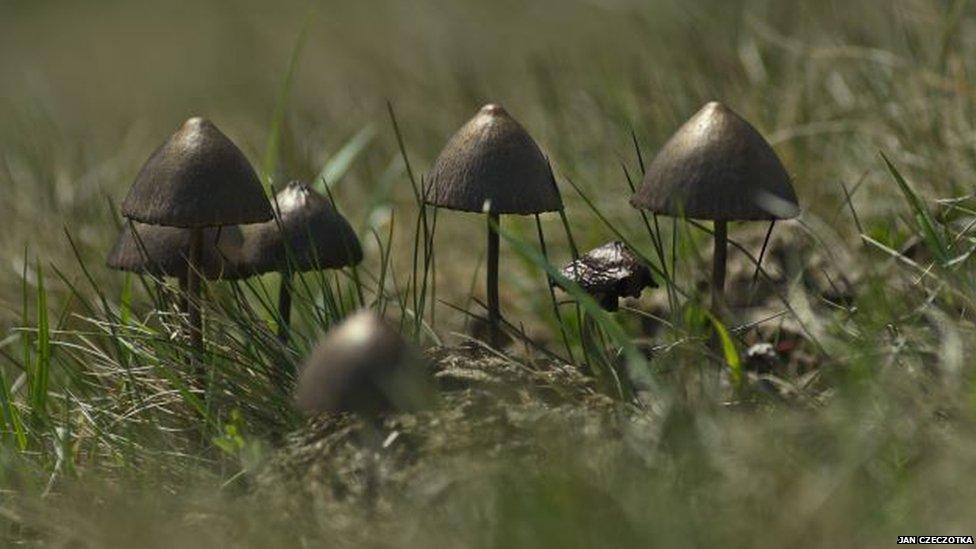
point(197, 178)
point(312, 235)
point(718, 167)
point(362, 365)
point(493, 159)
point(163, 251)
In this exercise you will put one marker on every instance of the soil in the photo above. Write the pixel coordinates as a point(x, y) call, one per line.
point(490, 406)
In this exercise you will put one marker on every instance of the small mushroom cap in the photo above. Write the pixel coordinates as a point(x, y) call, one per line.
point(362, 366)
point(610, 272)
point(197, 178)
point(493, 164)
point(312, 235)
point(163, 251)
point(717, 167)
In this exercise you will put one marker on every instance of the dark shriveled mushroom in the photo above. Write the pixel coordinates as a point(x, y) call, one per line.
point(492, 165)
point(717, 167)
point(307, 235)
point(197, 179)
point(608, 273)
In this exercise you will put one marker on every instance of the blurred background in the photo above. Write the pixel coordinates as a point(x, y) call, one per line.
point(875, 440)
point(89, 89)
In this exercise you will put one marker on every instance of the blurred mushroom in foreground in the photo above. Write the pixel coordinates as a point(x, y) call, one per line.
point(307, 235)
point(717, 167)
point(363, 366)
point(608, 273)
point(493, 166)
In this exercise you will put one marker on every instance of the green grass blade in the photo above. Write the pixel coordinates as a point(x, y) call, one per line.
point(729, 352)
point(933, 239)
point(41, 372)
point(13, 423)
point(125, 300)
point(339, 164)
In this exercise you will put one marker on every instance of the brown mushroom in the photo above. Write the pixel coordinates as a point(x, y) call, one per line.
point(163, 251)
point(307, 235)
point(493, 166)
point(363, 366)
point(717, 167)
point(197, 179)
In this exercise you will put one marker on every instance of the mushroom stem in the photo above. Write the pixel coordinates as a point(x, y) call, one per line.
point(192, 295)
point(494, 315)
point(718, 264)
point(183, 304)
point(284, 307)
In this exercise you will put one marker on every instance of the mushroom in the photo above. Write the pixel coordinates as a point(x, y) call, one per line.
point(717, 167)
point(308, 234)
point(608, 273)
point(492, 165)
point(163, 251)
point(197, 179)
point(362, 366)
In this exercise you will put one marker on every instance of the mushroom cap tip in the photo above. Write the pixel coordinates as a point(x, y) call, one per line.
point(196, 121)
point(493, 109)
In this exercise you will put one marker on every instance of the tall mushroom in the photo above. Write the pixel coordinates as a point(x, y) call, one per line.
point(493, 166)
point(308, 235)
point(717, 167)
point(363, 366)
point(197, 179)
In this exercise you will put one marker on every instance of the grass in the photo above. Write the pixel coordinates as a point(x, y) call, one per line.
point(865, 432)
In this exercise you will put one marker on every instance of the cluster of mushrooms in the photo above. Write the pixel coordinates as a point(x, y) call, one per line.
point(197, 211)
